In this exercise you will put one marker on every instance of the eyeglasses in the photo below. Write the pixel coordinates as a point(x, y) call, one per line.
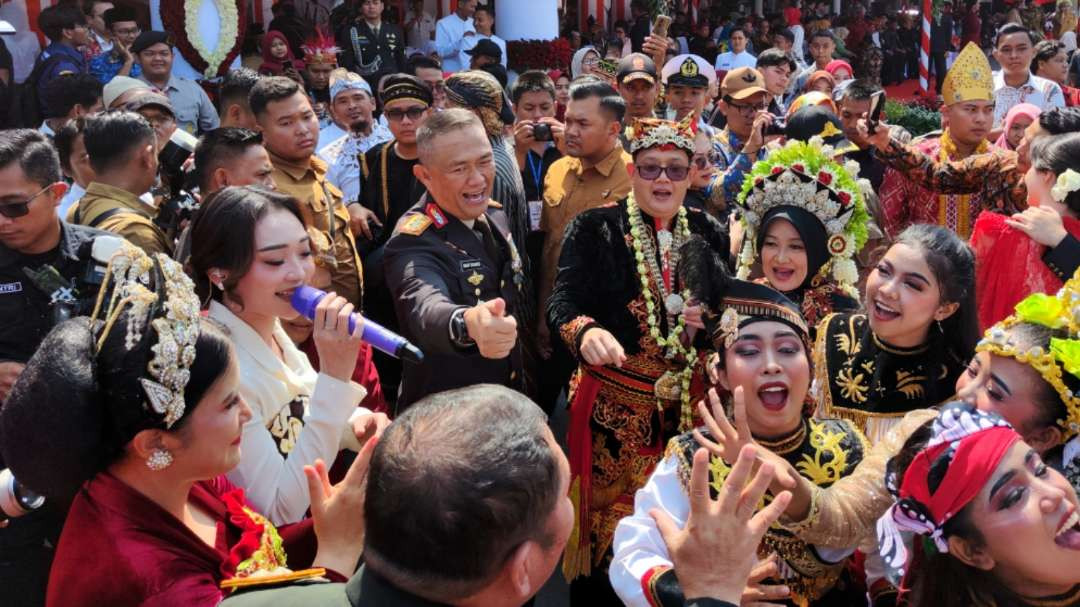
point(747, 111)
point(12, 210)
point(397, 115)
point(651, 172)
point(703, 161)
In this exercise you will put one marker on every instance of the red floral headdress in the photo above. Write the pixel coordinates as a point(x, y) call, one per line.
point(321, 48)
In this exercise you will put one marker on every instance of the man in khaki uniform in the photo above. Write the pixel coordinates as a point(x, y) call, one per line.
point(592, 173)
point(290, 131)
point(123, 155)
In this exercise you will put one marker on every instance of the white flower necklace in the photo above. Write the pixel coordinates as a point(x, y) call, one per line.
point(227, 34)
point(645, 256)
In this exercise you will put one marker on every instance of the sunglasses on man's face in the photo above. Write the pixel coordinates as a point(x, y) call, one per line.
point(19, 208)
point(397, 115)
point(651, 172)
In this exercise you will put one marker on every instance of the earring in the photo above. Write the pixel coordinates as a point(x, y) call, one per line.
point(159, 460)
point(939, 328)
point(216, 279)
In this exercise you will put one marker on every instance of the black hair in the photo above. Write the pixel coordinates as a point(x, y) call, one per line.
point(112, 136)
point(1045, 50)
point(271, 88)
point(1024, 336)
point(1058, 153)
point(31, 149)
point(621, 24)
point(68, 90)
point(860, 90)
point(1060, 120)
point(740, 30)
point(822, 33)
point(938, 578)
point(91, 401)
point(1012, 28)
point(457, 483)
point(64, 141)
point(421, 62)
point(218, 147)
point(88, 6)
point(610, 100)
point(775, 57)
point(497, 71)
point(486, 8)
point(953, 264)
point(236, 88)
point(532, 81)
point(59, 17)
point(223, 235)
point(787, 34)
point(119, 14)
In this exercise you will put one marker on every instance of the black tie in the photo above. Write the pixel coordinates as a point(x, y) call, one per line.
point(491, 246)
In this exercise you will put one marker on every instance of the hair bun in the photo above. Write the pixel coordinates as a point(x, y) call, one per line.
point(703, 272)
point(52, 425)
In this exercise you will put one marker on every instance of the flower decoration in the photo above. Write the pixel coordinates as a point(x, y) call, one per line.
point(1067, 183)
point(805, 174)
point(544, 55)
point(180, 18)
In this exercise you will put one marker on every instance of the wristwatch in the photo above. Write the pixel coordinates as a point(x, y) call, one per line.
point(459, 333)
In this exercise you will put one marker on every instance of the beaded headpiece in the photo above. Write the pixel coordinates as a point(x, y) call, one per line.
point(176, 321)
point(653, 132)
point(1061, 311)
point(747, 302)
point(320, 48)
point(805, 175)
point(969, 78)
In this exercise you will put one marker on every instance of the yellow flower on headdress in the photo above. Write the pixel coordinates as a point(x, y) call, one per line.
point(1042, 309)
point(1067, 352)
point(1066, 183)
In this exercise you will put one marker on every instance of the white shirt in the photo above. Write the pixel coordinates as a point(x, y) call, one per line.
point(725, 62)
point(294, 410)
point(343, 162)
point(1069, 40)
point(74, 193)
point(419, 35)
point(470, 43)
point(1040, 92)
point(105, 45)
point(450, 42)
point(329, 134)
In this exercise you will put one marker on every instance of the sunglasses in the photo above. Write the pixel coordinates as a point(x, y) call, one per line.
point(12, 210)
point(651, 172)
point(702, 161)
point(414, 114)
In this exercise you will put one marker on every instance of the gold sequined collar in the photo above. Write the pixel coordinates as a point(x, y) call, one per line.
point(786, 444)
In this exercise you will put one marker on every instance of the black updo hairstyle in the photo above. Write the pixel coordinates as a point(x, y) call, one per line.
point(73, 409)
point(1057, 154)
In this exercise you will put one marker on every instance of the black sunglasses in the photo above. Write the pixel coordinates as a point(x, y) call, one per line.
point(414, 114)
point(651, 172)
point(11, 210)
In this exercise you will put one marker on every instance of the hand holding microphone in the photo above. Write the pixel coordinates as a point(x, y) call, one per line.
point(335, 322)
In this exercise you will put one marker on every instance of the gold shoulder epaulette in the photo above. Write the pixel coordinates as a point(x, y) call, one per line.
point(415, 224)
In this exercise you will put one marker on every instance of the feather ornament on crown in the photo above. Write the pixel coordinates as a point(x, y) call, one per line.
point(320, 48)
point(653, 132)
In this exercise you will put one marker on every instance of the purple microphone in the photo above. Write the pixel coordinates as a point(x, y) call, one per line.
point(306, 298)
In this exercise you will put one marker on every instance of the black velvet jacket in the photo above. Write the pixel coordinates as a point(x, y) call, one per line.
point(597, 277)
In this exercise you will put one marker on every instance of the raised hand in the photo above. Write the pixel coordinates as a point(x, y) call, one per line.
point(337, 511)
point(494, 332)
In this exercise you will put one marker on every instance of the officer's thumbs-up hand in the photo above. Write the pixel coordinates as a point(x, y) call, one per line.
point(494, 332)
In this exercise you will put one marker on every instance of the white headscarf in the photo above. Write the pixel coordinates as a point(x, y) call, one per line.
point(577, 64)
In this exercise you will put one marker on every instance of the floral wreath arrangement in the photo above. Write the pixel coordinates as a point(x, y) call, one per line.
point(1061, 311)
point(806, 175)
point(543, 55)
point(181, 19)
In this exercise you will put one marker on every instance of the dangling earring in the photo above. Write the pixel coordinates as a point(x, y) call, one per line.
point(939, 328)
point(159, 460)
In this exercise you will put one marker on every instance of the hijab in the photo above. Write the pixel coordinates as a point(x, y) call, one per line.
point(273, 65)
point(819, 75)
point(810, 230)
point(577, 64)
point(1018, 110)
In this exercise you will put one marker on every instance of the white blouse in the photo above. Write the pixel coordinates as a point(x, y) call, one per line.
point(297, 416)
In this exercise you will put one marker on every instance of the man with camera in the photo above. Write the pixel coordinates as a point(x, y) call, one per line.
point(48, 273)
point(122, 147)
point(744, 102)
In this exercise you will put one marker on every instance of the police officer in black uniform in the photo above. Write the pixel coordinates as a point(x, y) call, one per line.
point(371, 47)
point(453, 269)
point(49, 271)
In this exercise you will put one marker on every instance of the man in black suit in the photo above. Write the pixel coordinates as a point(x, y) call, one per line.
point(371, 47)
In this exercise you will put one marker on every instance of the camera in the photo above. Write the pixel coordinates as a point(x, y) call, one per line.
point(175, 152)
point(777, 126)
point(542, 132)
point(178, 204)
point(15, 499)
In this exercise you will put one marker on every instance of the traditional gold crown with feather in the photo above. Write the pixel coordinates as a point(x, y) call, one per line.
point(176, 321)
point(653, 132)
point(1061, 311)
point(320, 48)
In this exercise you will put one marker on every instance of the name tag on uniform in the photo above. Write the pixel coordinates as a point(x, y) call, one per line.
point(10, 287)
point(471, 264)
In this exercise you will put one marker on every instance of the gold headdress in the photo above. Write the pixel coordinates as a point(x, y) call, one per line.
point(320, 48)
point(176, 322)
point(969, 78)
point(653, 132)
point(1061, 311)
